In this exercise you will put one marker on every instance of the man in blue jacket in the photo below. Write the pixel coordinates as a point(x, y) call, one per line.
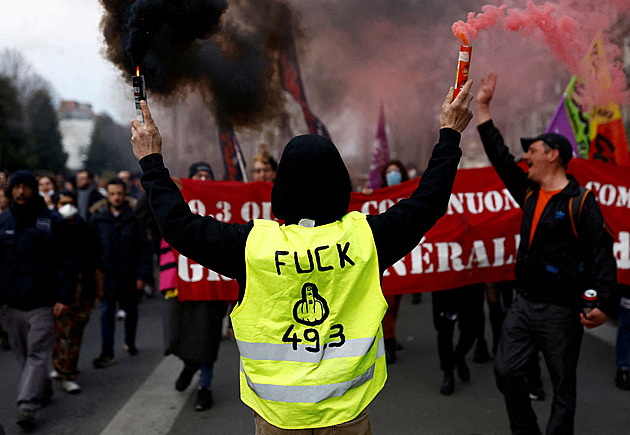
point(30, 286)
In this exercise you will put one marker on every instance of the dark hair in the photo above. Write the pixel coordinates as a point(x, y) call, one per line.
point(116, 182)
point(65, 192)
point(90, 174)
point(401, 168)
point(51, 177)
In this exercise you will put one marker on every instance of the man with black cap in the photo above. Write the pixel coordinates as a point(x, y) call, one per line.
point(308, 320)
point(31, 288)
point(559, 257)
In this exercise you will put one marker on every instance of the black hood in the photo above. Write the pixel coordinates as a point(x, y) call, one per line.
point(312, 182)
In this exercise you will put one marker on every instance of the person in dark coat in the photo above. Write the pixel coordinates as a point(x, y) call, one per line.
point(192, 325)
point(126, 264)
point(81, 258)
point(87, 192)
point(32, 288)
point(558, 259)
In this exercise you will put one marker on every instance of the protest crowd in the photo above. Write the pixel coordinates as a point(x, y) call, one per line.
point(70, 246)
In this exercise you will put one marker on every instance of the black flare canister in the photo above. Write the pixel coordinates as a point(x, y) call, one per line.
point(139, 93)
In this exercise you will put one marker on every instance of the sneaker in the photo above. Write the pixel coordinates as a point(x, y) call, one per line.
point(54, 374)
point(622, 380)
point(26, 419)
point(104, 361)
point(185, 377)
point(537, 393)
point(204, 399)
point(131, 350)
point(70, 387)
point(120, 315)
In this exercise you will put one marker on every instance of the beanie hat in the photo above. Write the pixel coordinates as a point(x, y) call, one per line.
point(25, 177)
point(200, 166)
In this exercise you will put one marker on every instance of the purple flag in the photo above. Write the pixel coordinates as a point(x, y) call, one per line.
point(380, 153)
point(560, 124)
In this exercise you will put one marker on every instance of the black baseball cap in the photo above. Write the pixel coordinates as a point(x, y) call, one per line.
point(555, 141)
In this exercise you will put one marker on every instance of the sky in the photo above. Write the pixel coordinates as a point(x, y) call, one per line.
point(61, 41)
point(353, 58)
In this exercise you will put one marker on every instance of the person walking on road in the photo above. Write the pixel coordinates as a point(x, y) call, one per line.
point(81, 258)
point(193, 321)
point(31, 289)
point(559, 257)
point(126, 263)
point(308, 321)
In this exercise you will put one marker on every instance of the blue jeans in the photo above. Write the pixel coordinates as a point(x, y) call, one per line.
point(205, 375)
point(128, 303)
point(622, 349)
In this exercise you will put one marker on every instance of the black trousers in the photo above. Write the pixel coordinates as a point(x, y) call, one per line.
point(463, 305)
point(556, 332)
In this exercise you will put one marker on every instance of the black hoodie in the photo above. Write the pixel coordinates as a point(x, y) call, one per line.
point(312, 182)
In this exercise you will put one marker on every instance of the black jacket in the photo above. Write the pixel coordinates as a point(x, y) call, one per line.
point(31, 274)
point(126, 254)
point(221, 247)
point(81, 258)
point(558, 266)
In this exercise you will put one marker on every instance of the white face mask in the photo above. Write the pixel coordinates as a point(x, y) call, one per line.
point(68, 211)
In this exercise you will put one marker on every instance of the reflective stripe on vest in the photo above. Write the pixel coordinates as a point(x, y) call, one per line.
point(309, 326)
point(311, 393)
point(285, 352)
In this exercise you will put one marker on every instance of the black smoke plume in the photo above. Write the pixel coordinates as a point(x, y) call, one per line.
point(184, 44)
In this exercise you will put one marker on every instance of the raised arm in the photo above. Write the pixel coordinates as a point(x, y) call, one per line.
point(514, 178)
point(398, 230)
point(209, 242)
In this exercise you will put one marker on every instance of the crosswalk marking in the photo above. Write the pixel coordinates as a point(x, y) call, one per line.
point(154, 407)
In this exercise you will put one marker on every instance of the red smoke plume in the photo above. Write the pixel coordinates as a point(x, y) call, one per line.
point(567, 39)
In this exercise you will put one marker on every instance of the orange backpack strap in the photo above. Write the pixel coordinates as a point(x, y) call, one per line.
point(528, 193)
point(575, 207)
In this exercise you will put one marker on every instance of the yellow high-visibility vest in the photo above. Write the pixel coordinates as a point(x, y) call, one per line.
point(309, 326)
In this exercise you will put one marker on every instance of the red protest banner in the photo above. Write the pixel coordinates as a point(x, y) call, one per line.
point(476, 241)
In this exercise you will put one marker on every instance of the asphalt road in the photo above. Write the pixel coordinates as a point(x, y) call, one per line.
point(137, 395)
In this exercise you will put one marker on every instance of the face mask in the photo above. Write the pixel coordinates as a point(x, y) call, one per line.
point(393, 178)
point(68, 211)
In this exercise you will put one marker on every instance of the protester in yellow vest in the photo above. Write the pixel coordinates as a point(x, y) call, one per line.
point(308, 321)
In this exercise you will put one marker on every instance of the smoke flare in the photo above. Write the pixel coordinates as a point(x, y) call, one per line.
point(567, 40)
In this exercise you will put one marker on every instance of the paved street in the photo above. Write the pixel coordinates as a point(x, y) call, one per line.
point(137, 396)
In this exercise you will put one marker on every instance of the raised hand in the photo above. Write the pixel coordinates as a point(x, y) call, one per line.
point(145, 139)
point(456, 113)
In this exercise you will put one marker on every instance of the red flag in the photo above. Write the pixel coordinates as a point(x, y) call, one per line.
point(380, 153)
point(292, 82)
point(233, 162)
